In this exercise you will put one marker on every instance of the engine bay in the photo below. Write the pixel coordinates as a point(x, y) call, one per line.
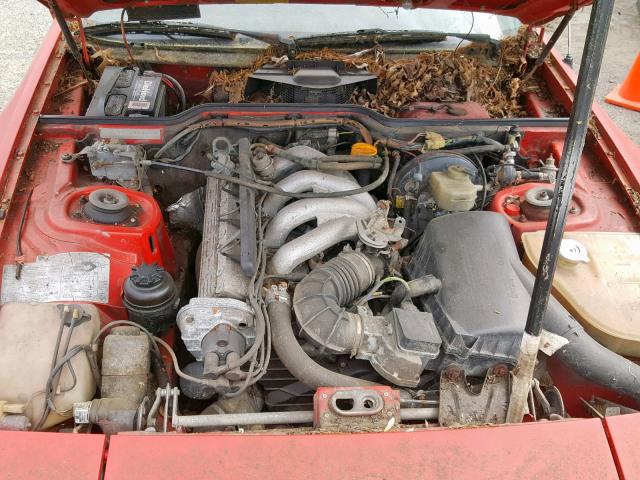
point(301, 267)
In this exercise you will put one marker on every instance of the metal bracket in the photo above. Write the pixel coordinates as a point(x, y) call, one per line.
point(350, 408)
point(461, 404)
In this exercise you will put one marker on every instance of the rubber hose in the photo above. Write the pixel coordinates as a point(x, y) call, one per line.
point(159, 369)
point(179, 91)
point(583, 354)
point(322, 299)
point(477, 149)
point(289, 351)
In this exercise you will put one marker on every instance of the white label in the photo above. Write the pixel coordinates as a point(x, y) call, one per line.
point(137, 105)
point(74, 276)
point(130, 133)
point(81, 412)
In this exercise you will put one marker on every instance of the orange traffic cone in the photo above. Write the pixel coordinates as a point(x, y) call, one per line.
point(627, 94)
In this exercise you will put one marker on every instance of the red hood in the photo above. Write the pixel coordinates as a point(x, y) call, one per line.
point(527, 11)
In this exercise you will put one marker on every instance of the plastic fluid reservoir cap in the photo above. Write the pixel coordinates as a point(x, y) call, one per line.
point(361, 148)
point(512, 209)
point(573, 252)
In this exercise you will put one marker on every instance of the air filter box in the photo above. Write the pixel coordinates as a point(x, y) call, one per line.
point(481, 309)
point(125, 92)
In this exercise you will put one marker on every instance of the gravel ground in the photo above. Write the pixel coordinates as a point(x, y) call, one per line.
point(23, 25)
point(25, 22)
point(623, 44)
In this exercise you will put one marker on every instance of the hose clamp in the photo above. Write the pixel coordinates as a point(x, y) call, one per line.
point(278, 293)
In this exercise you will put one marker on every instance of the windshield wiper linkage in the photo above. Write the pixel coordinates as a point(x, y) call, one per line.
point(377, 35)
point(186, 29)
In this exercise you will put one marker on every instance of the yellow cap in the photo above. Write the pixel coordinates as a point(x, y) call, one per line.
point(364, 149)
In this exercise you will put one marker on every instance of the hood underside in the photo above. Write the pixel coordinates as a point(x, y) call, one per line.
point(529, 12)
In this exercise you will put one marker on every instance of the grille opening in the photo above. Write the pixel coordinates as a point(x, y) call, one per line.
point(309, 82)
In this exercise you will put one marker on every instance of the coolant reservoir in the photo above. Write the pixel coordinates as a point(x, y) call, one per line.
point(28, 337)
point(598, 282)
point(453, 190)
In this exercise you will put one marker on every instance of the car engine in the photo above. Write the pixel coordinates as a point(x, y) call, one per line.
point(298, 267)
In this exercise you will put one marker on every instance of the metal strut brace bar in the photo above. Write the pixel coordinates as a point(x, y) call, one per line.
point(564, 23)
point(568, 168)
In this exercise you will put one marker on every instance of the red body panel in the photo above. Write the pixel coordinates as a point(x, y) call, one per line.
point(51, 225)
point(51, 456)
point(586, 219)
point(608, 142)
point(435, 110)
point(53, 229)
point(536, 12)
point(570, 449)
point(20, 117)
point(623, 436)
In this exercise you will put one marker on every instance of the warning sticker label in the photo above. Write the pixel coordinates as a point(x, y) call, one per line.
point(134, 105)
point(74, 276)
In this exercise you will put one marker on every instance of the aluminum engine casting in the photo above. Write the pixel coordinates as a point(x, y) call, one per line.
point(217, 331)
point(336, 218)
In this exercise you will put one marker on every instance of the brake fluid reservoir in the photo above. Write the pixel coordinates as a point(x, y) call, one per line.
point(28, 339)
point(598, 282)
point(453, 190)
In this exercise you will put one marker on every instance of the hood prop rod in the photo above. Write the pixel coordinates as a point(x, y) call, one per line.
point(546, 50)
point(68, 38)
point(565, 183)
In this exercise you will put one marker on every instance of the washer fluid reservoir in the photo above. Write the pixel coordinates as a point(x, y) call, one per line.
point(598, 282)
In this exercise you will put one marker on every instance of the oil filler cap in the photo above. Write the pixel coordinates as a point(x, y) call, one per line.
point(107, 206)
point(573, 252)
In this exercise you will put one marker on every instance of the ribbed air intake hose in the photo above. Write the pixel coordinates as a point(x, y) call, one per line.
point(320, 301)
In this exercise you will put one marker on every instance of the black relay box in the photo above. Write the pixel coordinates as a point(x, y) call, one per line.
point(125, 92)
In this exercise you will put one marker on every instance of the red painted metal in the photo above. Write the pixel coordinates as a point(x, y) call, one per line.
point(601, 204)
point(623, 431)
point(606, 140)
point(20, 116)
point(537, 12)
point(585, 217)
point(568, 449)
point(575, 389)
point(34, 165)
point(51, 225)
point(51, 456)
point(435, 110)
point(575, 449)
